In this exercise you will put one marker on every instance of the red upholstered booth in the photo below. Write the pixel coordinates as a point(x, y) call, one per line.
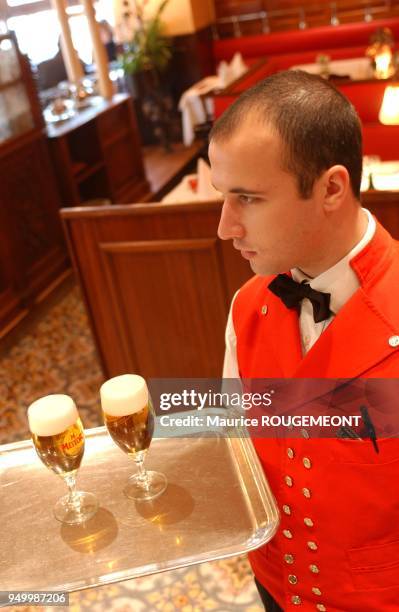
point(336, 42)
point(311, 39)
point(366, 96)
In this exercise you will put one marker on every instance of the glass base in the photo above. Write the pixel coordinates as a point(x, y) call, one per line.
point(140, 489)
point(83, 507)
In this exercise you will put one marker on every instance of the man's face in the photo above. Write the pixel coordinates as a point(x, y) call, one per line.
point(263, 213)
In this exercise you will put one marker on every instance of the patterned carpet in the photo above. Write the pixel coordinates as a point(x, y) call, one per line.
point(57, 355)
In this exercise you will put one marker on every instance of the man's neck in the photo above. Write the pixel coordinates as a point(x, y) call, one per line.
point(346, 235)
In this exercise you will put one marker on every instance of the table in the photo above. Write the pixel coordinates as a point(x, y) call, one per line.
point(357, 69)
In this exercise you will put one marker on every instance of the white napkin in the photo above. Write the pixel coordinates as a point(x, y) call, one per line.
point(183, 192)
point(205, 189)
point(237, 66)
point(223, 72)
point(229, 72)
point(192, 107)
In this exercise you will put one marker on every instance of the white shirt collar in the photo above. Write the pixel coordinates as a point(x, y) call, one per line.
point(339, 280)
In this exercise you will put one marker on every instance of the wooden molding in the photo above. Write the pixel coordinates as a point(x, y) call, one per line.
point(157, 286)
point(158, 245)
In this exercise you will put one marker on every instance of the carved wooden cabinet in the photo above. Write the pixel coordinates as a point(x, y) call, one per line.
point(32, 251)
point(97, 154)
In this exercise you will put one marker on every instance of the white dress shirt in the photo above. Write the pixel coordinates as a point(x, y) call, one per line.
point(339, 280)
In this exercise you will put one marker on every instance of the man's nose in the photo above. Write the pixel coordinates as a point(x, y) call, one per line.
point(230, 226)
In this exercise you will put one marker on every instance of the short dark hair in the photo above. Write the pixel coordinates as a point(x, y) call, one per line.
point(318, 125)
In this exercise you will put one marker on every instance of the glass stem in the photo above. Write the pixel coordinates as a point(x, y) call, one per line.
point(142, 472)
point(70, 479)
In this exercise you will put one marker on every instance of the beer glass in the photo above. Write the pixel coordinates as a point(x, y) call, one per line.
point(58, 438)
point(129, 418)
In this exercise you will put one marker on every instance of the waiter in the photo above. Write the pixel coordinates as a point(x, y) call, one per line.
point(324, 303)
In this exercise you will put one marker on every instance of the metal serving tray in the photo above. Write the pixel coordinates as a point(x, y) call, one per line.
point(217, 504)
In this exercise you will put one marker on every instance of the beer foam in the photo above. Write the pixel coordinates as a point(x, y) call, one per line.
point(123, 395)
point(52, 414)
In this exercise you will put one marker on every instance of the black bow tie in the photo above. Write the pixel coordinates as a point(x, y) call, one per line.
point(292, 293)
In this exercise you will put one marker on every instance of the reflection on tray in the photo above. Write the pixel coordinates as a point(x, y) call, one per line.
point(93, 535)
point(175, 505)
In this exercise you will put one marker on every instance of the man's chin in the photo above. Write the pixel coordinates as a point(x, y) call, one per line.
point(265, 269)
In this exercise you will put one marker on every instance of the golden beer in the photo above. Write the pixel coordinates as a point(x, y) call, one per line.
point(129, 418)
point(58, 437)
point(131, 432)
point(61, 452)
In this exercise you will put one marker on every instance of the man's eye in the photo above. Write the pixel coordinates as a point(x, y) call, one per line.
point(245, 199)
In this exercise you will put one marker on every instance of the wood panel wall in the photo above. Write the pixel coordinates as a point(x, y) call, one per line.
point(294, 14)
point(157, 284)
point(32, 250)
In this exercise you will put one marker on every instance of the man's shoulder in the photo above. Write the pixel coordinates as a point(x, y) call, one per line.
point(253, 291)
point(256, 283)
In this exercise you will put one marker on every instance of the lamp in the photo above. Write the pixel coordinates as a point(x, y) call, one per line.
point(383, 63)
point(389, 111)
point(381, 53)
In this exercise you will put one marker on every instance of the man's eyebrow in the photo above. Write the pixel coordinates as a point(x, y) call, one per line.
point(243, 190)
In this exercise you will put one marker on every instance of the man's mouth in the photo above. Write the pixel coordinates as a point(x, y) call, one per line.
point(247, 254)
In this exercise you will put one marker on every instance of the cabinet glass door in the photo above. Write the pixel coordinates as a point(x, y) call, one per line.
point(15, 112)
point(9, 64)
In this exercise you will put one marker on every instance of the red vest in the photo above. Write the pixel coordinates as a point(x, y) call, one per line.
point(337, 546)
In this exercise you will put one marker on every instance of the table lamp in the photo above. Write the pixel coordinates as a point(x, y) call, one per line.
point(381, 53)
point(389, 111)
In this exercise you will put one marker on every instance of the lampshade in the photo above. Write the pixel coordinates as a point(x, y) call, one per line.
point(389, 111)
point(383, 63)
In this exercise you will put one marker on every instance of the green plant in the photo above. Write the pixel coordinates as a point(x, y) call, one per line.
point(149, 48)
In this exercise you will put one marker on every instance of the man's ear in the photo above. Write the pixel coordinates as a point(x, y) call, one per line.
point(336, 184)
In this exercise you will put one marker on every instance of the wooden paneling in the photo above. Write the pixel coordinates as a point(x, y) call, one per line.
point(97, 154)
point(192, 60)
point(385, 206)
point(164, 170)
point(120, 158)
point(160, 308)
point(32, 250)
point(275, 15)
point(157, 284)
